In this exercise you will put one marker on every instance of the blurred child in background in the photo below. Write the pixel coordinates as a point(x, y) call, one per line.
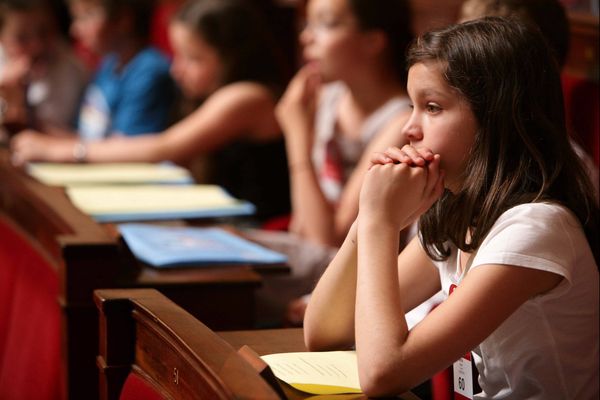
point(41, 81)
point(348, 99)
point(131, 92)
point(224, 57)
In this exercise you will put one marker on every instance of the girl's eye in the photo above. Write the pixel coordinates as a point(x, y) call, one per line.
point(433, 108)
point(323, 25)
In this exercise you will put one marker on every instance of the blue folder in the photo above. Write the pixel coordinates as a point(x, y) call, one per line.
point(165, 247)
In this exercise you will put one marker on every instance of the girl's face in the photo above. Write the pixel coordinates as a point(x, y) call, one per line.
point(441, 120)
point(89, 25)
point(332, 38)
point(197, 67)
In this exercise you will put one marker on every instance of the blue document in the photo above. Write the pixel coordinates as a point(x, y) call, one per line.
point(164, 247)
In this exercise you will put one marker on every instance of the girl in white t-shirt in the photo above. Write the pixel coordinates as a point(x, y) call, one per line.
point(507, 218)
point(348, 100)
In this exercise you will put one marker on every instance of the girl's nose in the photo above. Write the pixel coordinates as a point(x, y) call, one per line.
point(412, 132)
point(306, 35)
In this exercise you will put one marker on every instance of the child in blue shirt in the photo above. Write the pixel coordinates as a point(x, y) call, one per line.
point(131, 91)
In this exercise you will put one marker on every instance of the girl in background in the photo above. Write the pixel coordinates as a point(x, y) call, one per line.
point(224, 57)
point(508, 230)
point(348, 99)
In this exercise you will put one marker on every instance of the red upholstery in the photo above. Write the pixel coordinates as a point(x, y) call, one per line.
point(30, 365)
point(441, 385)
point(160, 24)
point(280, 223)
point(136, 388)
point(582, 109)
point(158, 34)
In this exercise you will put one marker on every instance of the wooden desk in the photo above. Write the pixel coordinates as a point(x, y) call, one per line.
point(89, 257)
point(271, 341)
point(145, 334)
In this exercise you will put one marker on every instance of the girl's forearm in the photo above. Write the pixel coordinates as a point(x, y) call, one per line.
point(381, 328)
point(313, 214)
point(144, 148)
point(329, 319)
point(298, 145)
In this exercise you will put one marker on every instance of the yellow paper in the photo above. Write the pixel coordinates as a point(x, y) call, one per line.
point(148, 198)
point(111, 173)
point(328, 372)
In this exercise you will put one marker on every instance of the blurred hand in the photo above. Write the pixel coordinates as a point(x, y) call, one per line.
point(30, 145)
point(15, 72)
point(296, 109)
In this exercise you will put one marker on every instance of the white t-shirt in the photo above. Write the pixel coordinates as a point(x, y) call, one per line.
point(548, 348)
point(350, 150)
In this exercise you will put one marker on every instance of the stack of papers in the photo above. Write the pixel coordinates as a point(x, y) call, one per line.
point(161, 246)
point(326, 372)
point(118, 203)
point(117, 192)
point(112, 173)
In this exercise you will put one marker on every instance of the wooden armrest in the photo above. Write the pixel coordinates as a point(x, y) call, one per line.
point(143, 330)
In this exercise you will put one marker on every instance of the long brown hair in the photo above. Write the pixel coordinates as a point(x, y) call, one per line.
point(239, 33)
point(393, 18)
point(521, 152)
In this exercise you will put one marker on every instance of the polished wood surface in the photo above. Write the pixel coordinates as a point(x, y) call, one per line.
point(89, 256)
point(85, 256)
point(144, 332)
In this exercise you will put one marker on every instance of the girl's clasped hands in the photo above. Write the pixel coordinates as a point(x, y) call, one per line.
point(401, 184)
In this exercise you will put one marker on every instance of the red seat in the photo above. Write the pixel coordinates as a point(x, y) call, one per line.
point(160, 22)
point(30, 344)
point(582, 110)
point(280, 223)
point(137, 388)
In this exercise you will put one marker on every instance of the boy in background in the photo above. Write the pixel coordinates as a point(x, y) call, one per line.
point(41, 81)
point(132, 91)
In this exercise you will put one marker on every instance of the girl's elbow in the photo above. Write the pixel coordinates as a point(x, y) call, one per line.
point(381, 379)
point(324, 340)
point(313, 340)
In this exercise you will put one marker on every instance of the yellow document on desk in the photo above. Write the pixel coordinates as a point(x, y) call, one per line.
point(111, 173)
point(326, 372)
point(117, 203)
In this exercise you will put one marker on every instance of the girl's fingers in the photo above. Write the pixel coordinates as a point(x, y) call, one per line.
point(397, 155)
point(414, 156)
point(410, 155)
point(380, 159)
point(433, 172)
point(425, 153)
